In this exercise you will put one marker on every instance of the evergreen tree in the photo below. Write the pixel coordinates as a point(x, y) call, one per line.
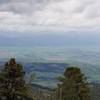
point(73, 85)
point(12, 83)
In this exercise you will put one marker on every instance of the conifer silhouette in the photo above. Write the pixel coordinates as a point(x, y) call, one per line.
point(12, 83)
point(73, 85)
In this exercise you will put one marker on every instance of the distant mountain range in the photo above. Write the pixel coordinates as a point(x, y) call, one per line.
point(70, 38)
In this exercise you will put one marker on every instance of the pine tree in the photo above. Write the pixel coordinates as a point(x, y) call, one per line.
point(73, 85)
point(12, 83)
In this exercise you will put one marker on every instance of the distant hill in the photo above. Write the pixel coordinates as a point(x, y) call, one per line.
point(70, 38)
point(46, 73)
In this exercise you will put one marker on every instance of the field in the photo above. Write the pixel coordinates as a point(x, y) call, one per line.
point(50, 62)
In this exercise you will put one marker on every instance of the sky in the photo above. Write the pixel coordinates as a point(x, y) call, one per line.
point(20, 18)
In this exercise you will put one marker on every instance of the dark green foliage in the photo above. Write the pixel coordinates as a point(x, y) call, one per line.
point(73, 85)
point(12, 84)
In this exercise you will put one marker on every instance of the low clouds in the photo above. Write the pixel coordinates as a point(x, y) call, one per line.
point(49, 15)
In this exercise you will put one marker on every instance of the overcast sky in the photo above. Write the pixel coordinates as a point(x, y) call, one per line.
point(57, 16)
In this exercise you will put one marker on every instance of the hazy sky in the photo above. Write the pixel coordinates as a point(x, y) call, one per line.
point(55, 16)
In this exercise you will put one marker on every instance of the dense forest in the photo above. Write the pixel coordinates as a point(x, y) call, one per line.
point(72, 85)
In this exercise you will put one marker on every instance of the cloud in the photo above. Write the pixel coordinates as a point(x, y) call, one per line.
point(49, 15)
